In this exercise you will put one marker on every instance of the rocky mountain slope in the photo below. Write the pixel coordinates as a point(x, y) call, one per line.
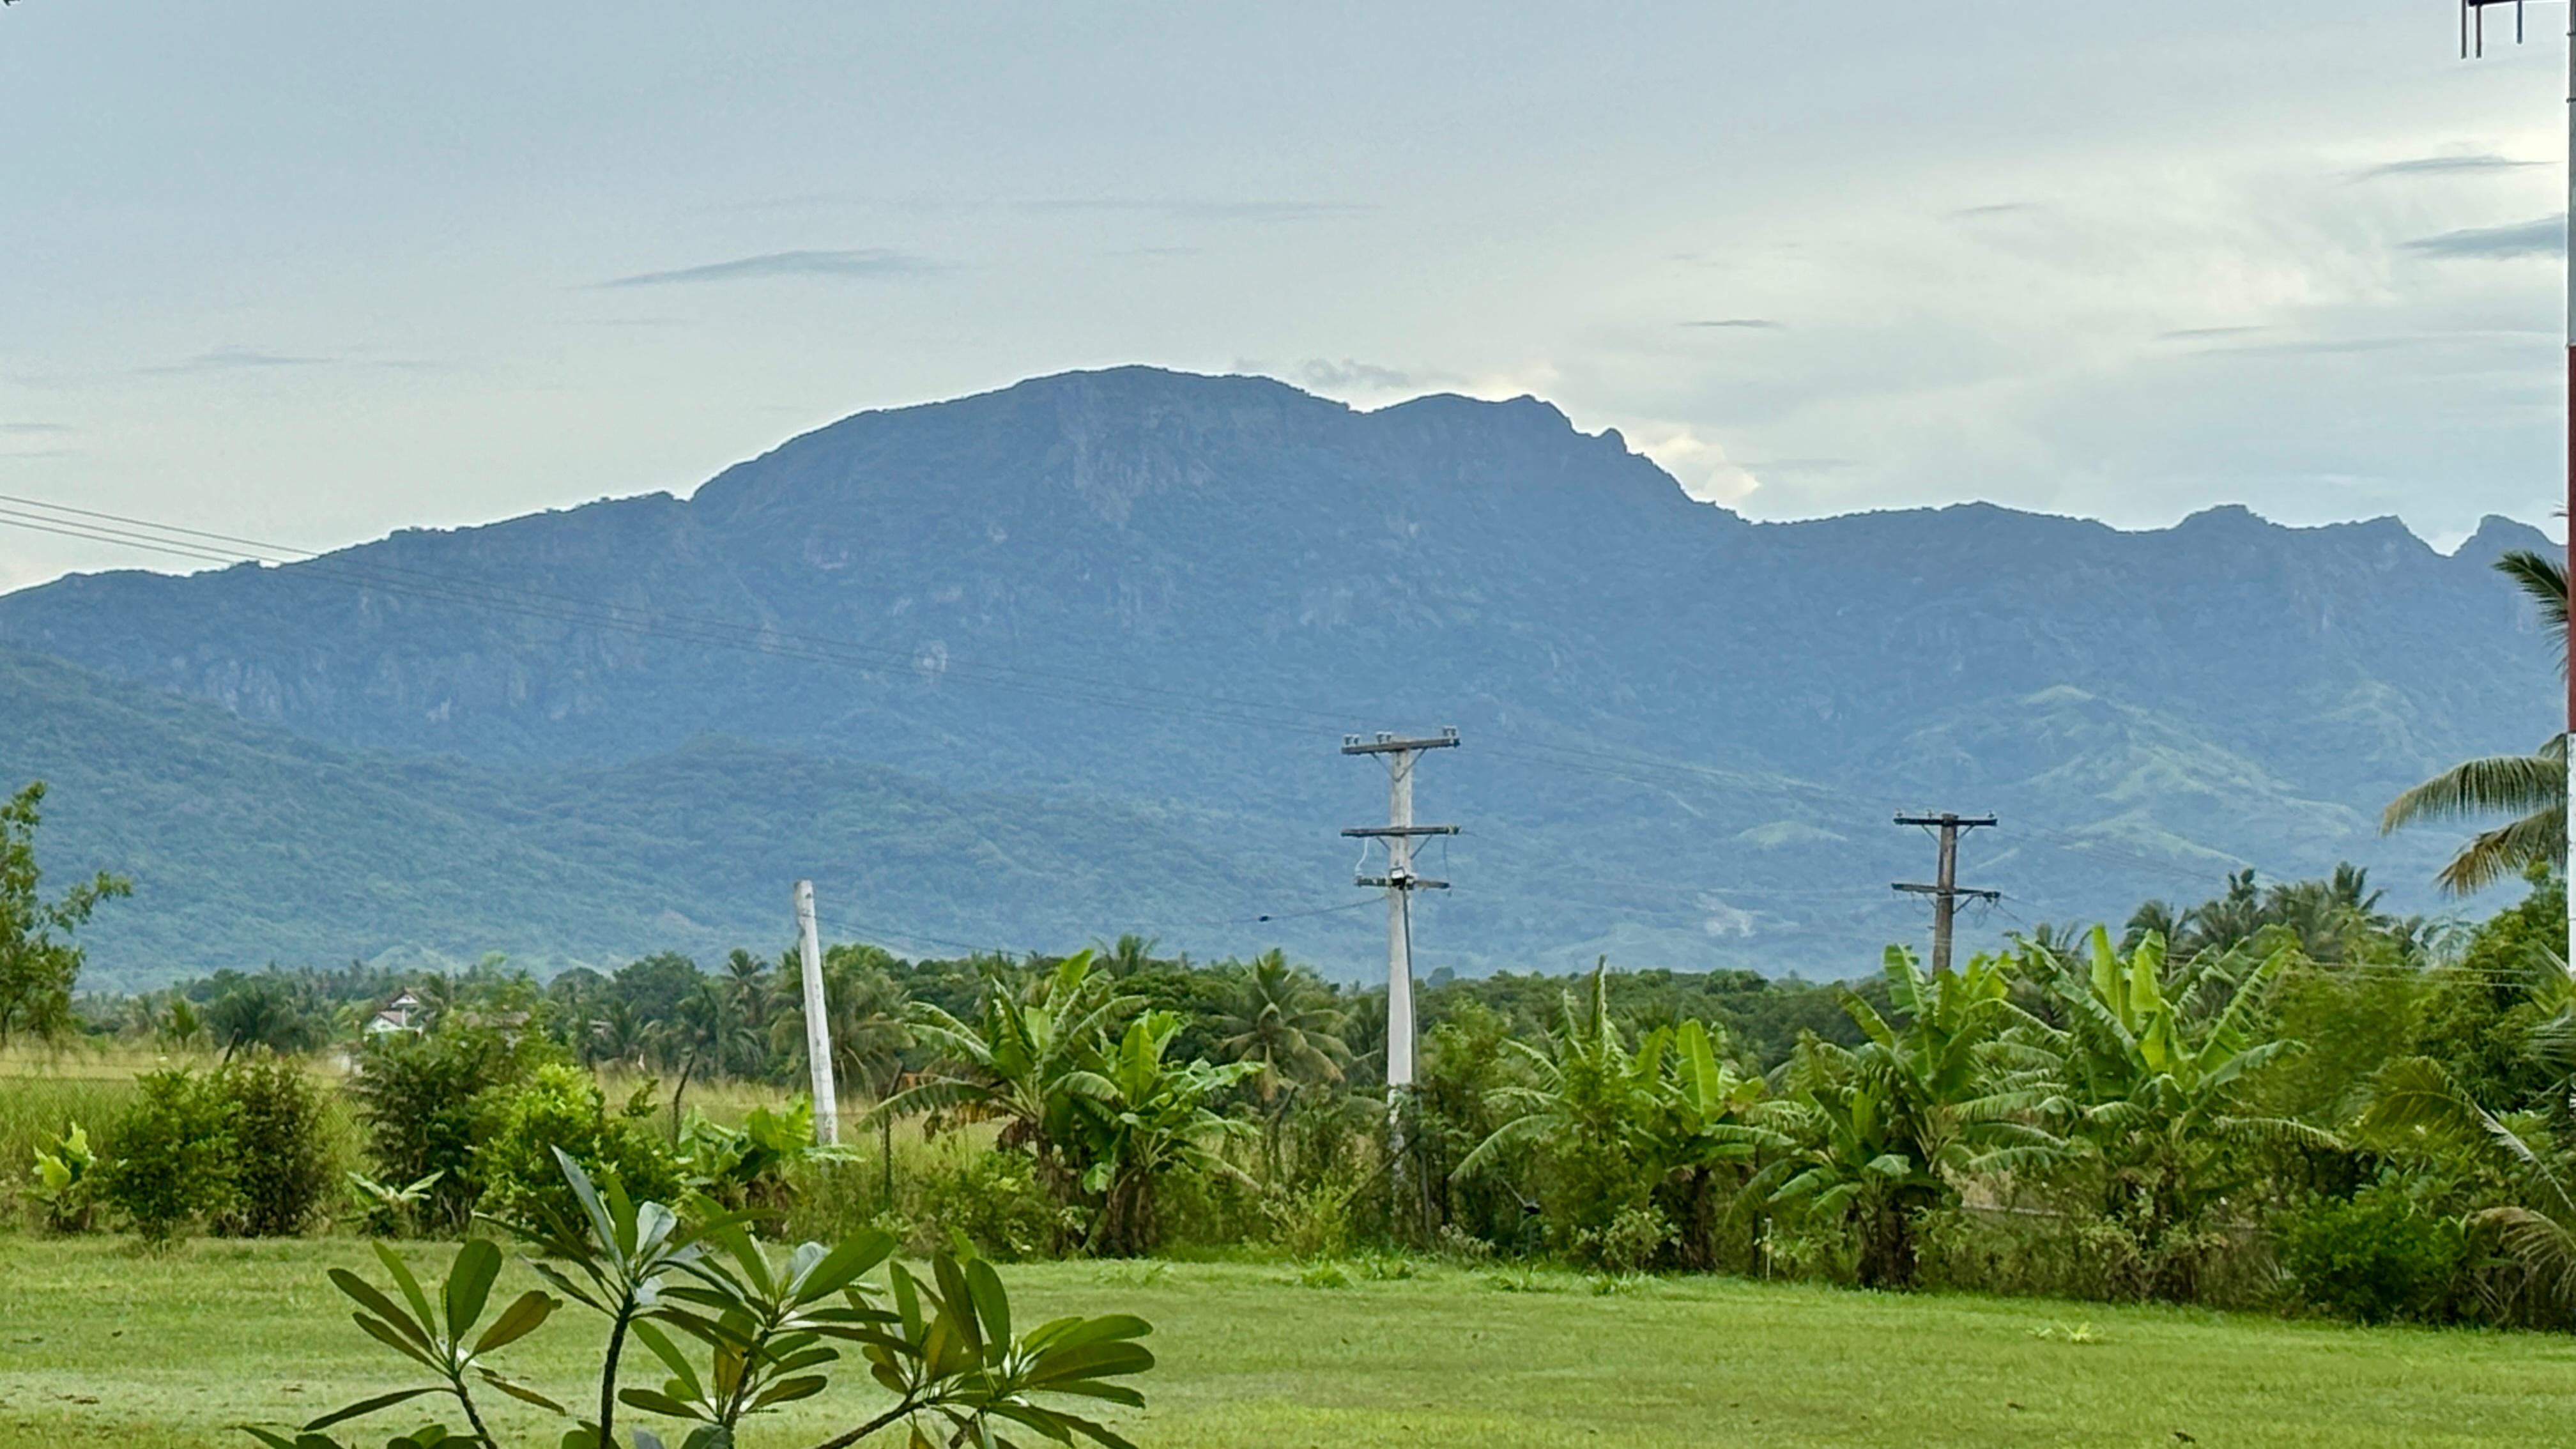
point(1132, 613)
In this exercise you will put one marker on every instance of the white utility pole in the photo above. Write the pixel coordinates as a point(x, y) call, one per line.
point(818, 1021)
point(2473, 40)
point(1400, 883)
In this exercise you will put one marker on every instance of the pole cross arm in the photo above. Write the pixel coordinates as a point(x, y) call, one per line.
point(1402, 882)
point(1389, 744)
point(1380, 832)
point(1933, 890)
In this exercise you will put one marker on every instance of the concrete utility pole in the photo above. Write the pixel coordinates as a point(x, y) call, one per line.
point(2475, 43)
point(818, 1021)
point(1945, 891)
point(1400, 883)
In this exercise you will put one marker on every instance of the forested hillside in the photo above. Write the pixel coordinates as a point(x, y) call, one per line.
point(1075, 657)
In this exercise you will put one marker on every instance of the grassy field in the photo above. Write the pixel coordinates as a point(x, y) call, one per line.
point(104, 1349)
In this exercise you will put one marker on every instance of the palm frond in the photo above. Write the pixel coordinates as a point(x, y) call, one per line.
point(2507, 850)
point(2498, 784)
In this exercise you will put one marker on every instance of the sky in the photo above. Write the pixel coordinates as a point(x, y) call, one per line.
point(312, 270)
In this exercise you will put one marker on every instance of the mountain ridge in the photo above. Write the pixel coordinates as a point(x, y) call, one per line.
point(1159, 591)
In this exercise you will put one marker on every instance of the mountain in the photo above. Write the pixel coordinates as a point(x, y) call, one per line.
point(1112, 626)
point(249, 845)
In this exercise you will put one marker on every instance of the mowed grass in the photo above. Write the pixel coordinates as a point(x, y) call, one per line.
point(103, 1348)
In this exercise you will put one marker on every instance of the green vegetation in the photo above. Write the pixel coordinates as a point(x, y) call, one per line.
point(2302, 1089)
point(2532, 789)
point(38, 963)
point(103, 1356)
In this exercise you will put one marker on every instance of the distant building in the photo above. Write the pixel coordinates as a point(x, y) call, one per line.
point(397, 1016)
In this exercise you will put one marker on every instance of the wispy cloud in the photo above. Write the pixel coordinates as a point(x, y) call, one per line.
point(33, 429)
point(1205, 208)
point(2386, 342)
point(2540, 237)
point(236, 359)
point(1997, 208)
point(1321, 372)
point(2441, 166)
point(862, 262)
point(2203, 334)
point(1792, 467)
point(1743, 324)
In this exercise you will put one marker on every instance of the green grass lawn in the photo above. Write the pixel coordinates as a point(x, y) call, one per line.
point(102, 1347)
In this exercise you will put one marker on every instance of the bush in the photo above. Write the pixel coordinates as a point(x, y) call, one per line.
point(563, 1107)
point(282, 1164)
point(423, 1097)
point(993, 1200)
point(171, 1158)
point(2376, 1258)
point(1630, 1243)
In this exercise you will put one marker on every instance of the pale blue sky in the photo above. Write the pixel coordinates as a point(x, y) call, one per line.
point(312, 271)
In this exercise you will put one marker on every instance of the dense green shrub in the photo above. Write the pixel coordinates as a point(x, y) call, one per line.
point(2377, 1257)
point(172, 1158)
point(994, 1201)
point(423, 1099)
point(562, 1107)
point(282, 1163)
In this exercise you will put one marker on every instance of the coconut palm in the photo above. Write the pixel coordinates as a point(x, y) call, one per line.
point(871, 1029)
point(1281, 1018)
point(2531, 788)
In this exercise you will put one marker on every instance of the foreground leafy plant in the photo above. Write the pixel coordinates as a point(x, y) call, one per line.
point(769, 1332)
point(64, 1182)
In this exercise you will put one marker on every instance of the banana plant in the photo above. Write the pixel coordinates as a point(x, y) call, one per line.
point(63, 1180)
point(2149, 1076)
point(1886, 1129)
point(440, 1337)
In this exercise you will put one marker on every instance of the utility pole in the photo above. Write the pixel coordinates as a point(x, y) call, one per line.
point(1945, 891)
point(1399, 883)
point(818, 1021)
point(2477, 10)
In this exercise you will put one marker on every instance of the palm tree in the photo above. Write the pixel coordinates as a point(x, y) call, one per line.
point(2531, 788)
point(746, 984)
point(1282, 1019)
point(871, 1029)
